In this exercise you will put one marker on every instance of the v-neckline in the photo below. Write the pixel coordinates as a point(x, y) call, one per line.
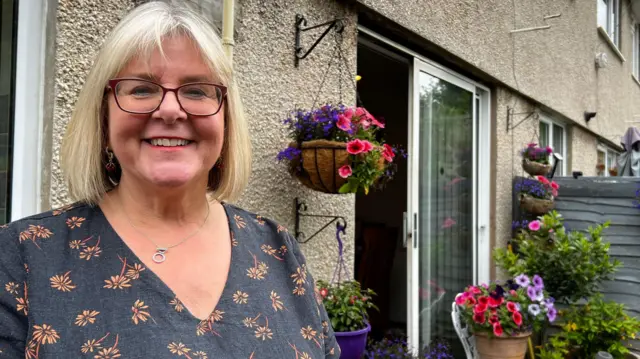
point(164, 287)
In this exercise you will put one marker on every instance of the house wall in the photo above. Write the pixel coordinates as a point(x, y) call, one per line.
point(269, 84)
point(554, 67)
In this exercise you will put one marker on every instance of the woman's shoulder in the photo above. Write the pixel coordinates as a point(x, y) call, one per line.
point(45, 224)
point(253, 224)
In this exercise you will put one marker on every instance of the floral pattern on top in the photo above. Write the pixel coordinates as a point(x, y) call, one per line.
point(70, 287)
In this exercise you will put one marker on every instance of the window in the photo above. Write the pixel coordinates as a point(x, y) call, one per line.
point(636, 51)
point(607, 162)
point(609, 19)
point(554, 136)
point(7, 73)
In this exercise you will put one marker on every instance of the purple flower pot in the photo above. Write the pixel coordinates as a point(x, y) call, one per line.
point(353, 344)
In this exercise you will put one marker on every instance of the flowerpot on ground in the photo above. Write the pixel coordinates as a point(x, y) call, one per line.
point(504, 347)
point(535, 168)
point(353, 344)
point(536, 206)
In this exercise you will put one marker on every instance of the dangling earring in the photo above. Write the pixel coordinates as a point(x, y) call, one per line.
point(110, 166)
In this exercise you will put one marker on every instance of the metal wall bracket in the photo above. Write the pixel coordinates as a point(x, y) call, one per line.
point(511, 118)
point(301, 22)
point(301, 209)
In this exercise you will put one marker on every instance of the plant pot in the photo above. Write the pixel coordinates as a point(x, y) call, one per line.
point(353, 344)
point(536, 206)
point(535, 168)
point(613, 172)
point(321, 160)
point(504, 347)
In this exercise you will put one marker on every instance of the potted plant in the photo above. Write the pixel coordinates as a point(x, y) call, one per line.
point(336, 149)
point(346, 305)
point(600, 169)
point(535, 159)
point(503, 317)
point(613, 171)
point(536, 195)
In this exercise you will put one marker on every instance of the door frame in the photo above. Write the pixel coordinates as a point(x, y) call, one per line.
point(481, 163)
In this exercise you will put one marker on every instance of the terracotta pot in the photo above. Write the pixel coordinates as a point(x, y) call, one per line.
point(535, 205)
point(535, 168)
point(504, 347)
point(321, 160)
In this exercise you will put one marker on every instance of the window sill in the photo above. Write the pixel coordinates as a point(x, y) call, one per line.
point(635, 79)
point(612, 45)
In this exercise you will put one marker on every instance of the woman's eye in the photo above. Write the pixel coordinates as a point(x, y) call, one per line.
point(142, 91)
point(194, 93)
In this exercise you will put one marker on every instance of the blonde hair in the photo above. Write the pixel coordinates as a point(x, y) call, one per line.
point(140, 33)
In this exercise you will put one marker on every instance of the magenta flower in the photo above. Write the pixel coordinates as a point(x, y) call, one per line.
point(534, 225)
point(345, 171)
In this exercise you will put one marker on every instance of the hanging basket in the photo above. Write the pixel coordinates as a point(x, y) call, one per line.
point(535, 168)
point(536, 206)
point(321, 160)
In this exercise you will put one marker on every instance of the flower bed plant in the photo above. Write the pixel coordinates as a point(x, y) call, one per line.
point(336, 148)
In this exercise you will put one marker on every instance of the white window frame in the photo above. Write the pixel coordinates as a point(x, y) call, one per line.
point(29, 97)
point(636, 51)
point(611, 24)
point(562, 170)
point(607, 152)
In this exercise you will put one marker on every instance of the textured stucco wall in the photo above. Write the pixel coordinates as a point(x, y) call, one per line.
point(270, 86)
point(584, 152)
point(554, 67)
point(81, 28)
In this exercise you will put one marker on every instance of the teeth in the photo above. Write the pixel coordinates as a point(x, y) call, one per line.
point(168, 142)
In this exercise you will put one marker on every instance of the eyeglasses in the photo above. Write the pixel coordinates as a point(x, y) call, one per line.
point(142, 96)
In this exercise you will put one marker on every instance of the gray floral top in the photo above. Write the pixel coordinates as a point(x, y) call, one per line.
point(71, 288)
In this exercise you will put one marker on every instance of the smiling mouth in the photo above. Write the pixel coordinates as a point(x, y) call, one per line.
point(168, 142)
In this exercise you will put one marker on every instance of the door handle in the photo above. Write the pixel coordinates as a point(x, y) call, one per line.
point(404, 230)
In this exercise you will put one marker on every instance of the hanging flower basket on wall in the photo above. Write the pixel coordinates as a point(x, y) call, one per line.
point(535, 168)
point(534, 205)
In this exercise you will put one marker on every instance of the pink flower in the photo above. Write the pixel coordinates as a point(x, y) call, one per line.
point(461, 299)
point(474, 290)
point(355, 147)
point(554, 192)
point(511, 306)
point(360, 111)
point(343, 123)
point(550, 230)
point(376, 122)
point(324, 292)
point(480, 308)
point(555, 186)
point(542, 179)
point(479, 318)
point(348, 113)
point(345, 171)
point(471, 301)
point(493, 319)
point(517, 318)
point(549, 150)
point(494, 303)
point(497, 329)
point(367, 146)
point(532, 145)
point(387, 153)
point(483, 300)
point(448, 223)
point(534, 225)
point(365, 123)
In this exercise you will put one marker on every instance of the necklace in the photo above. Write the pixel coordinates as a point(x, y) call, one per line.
point(160, 254)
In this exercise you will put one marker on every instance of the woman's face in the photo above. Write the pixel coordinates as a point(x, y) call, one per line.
point(166, 148)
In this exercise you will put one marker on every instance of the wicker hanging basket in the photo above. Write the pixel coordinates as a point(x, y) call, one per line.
point(535, 168)
point(321, 160)
point(536, 206)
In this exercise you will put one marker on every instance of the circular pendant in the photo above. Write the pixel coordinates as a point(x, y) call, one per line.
point(159, 255)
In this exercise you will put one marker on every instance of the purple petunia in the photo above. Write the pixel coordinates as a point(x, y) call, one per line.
point(552, 313)
point(532, 293)
point(537, 282)
point(522, 280)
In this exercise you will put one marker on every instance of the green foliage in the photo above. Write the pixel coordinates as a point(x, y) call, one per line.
point(572, 264)
point(346, 304)
point(597, 326)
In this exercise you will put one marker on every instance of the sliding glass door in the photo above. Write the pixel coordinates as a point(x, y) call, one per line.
point(449, 145)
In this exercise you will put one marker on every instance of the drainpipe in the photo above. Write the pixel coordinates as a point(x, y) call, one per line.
point(227, 28)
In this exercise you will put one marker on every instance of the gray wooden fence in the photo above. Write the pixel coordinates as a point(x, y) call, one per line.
point(589, 201)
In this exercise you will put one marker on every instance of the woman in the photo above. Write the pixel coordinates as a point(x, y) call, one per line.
point(150, 262)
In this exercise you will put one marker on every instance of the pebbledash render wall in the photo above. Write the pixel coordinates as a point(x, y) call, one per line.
point(551, 70)
point(270, 87)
